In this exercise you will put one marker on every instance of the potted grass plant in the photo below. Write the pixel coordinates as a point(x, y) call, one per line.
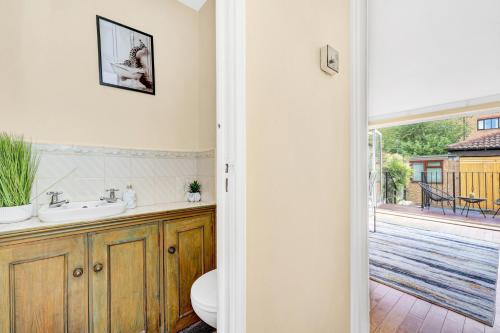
point(194, 193)
point(18, 166)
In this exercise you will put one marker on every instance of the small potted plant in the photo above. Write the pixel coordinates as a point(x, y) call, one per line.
point(194, 193)
point(18, 166)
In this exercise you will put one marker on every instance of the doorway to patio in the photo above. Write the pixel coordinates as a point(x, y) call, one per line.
point(434, 238)
point(443, 168)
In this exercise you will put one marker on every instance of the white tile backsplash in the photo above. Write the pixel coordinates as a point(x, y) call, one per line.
point(89, 166)
point(165, 190)
point(206, 167)
point(182, 167)
point(117, 167)
point(162, 168)
point(86, 189)
point(56, 165)
point(84, 173)
point(142, 167)
point(208, 187)
point(145, 189)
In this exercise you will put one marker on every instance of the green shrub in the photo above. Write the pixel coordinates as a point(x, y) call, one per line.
point(398, 172)
point(18, 166)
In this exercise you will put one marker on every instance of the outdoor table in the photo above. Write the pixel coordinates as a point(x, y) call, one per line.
point(472, 201)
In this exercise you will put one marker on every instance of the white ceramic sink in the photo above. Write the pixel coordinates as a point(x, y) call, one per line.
point(81, 211)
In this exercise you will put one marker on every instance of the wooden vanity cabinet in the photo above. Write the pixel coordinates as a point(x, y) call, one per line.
point(189, 252)
point(44, 286)
point(125, 280)
point(130, 274)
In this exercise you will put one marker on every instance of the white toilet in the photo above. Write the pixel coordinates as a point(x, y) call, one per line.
point(204, 297)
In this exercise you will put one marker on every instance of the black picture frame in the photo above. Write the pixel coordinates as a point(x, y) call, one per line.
point(151, 91)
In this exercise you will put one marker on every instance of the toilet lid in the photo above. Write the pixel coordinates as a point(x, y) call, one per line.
point(204, 290)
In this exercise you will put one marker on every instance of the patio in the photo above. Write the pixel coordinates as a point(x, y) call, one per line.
point(435, 213)
point(464, 196)
point(395, 311)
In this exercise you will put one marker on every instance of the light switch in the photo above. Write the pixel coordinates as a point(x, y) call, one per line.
point(329, 60)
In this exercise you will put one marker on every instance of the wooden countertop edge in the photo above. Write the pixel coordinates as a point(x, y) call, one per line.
point(67, 229)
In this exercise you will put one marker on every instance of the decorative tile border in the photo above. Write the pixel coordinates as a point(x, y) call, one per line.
point(122, 152)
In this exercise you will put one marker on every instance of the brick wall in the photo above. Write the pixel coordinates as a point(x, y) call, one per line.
point(450, 165)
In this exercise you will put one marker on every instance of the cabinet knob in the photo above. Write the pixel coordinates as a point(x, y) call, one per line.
point(98, 267)
point(171, 250)
point(77, 272)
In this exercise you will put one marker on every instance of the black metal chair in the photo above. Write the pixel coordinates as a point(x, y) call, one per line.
point(434, 194)
point(497, 202)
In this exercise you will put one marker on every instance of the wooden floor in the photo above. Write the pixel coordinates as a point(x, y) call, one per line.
point(395, 311)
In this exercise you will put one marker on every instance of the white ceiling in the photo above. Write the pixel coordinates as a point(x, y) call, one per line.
point(427, 53)
point(194, 4)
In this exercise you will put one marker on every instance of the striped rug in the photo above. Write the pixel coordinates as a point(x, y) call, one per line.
point(454, 272)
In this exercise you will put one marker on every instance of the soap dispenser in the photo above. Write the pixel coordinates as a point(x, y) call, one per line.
point(130, 197)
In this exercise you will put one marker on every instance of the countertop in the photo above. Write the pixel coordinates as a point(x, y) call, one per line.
point(34, 223)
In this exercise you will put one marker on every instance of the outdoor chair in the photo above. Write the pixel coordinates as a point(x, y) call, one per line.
point(434, 194)
point(497, 202)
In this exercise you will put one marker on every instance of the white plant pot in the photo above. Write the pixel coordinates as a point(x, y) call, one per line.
point(16, 213)
point(194, 197)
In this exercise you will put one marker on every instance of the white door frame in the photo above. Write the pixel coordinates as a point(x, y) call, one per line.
point(360, 301)
point(231, 166)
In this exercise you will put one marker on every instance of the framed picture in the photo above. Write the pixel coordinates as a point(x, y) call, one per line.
point(126, 58)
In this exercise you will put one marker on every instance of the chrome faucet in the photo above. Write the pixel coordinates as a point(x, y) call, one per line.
point(54, 200)
point(112, 195)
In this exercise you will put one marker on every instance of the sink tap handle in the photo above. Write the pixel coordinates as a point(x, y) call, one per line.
point(112, 192)
point(54, 197)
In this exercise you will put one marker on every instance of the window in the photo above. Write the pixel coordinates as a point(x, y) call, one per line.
point(487, 123)
point(433, 171)
point(418, 168)
point(490, 123)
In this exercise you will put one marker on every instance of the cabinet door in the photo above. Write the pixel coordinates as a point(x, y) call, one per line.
point(44, 286)
point(189, 253)
point(125, 281)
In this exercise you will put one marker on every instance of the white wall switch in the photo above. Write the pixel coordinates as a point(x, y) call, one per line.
point(329, 60)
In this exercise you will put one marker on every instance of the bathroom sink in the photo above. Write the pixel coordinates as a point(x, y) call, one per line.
point(81, 211)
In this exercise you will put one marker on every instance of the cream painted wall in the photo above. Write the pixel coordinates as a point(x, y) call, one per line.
point(207, 85)
point(50, 88)
point(298, 168)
